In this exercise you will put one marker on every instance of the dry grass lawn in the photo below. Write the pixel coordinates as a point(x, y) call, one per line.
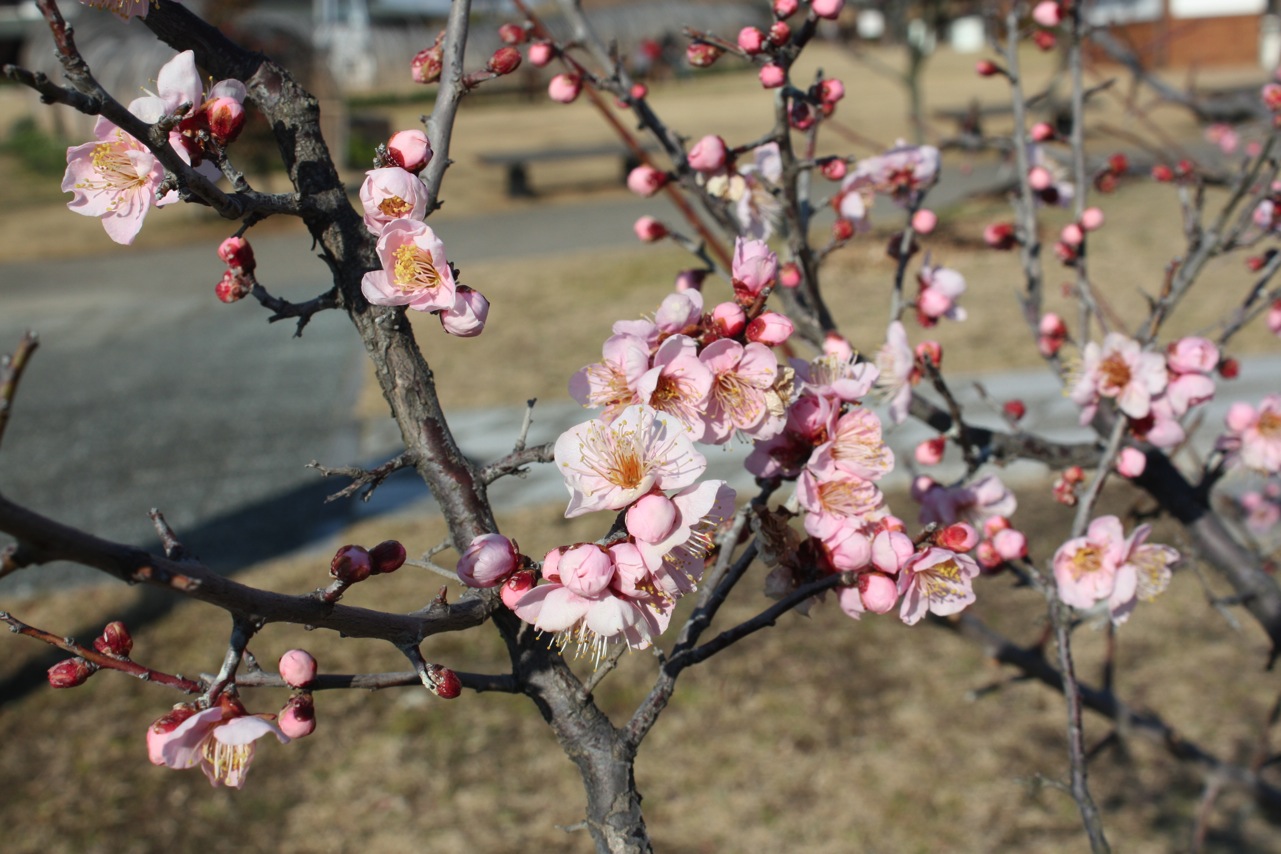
point(823, 735)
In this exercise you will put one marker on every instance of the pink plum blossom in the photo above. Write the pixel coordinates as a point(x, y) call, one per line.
point(899, 173)
point(756, 208)
point(1104, 565)
point(608, 466)
point(742, 396)
point(678, 383)
point(845, 540)
point(808, 422)
point(855, 448)
point(936, 581)
point(974, 503)
point(845, 495)
point(389, 194)
point(115, 179)
point(220, 740)
point(1118, 369)
point(708, 154)
point(770, 328)
point(838, 375)
point(897, 371)
point(940, 288)
point(488, 561)
point(466, 319)
point(753, 270)
point(415, 272)
point(612, 382)
point(1253, 435)
point(679, 312)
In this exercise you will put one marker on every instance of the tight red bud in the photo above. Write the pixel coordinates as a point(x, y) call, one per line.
point(512, 34)
point(236, 252)
point(426, 65)
point(504, 61)
point(70, 673)
point(387, 556)
point(445, 682)
point(226, 117)
point(231, 287)
point(351, 564)
point(702, 54)
point(115, 640)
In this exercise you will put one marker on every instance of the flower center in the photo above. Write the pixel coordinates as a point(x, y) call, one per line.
point(1086, 560)
point(1115, 371)
point(616, 457)
point(394, 207)
point(229, 761)
point(735, 399)
point(414, 270)
point(1269, 424)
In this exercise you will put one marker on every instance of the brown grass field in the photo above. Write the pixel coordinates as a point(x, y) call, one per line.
point(822, 735)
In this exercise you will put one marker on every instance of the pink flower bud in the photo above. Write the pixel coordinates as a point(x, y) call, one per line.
point(504, 61)
point(730, 319)
point(789, 275)
point(924, 221)
point(1072, 234)
point(638, 91)
point(930, 452)
point(827, 8)
point(651, 518)
point(226, 118)
point(1162, 173)
point(71, 673)
point(1047, 13)
point(770, 329)
point(516, 586)
point(751, 40)
point(645, 180)
point(1271, 95)
point(878, 591)
point(114, 640)
point(1010, 544)
point(351, 564)
point(1074, 474)
point(649, 230)
point(410, 150)
point(488, 561)
point(1273, 320)
point(987, 555)
point(831, 90)
point(772, 76)
point(708, 154)
point(510, 33)
point(541, 53)
point(1043, 132)
point(466, 318)
point(702, 54)
point(1240, 417)
point(999, 235)
point(837, 346)
point(231, 287)
point(1091, 219)
point(986, 68)
point(960, 537)
point(931, 350)
point(690, 280)
point(779, 33)
point(1131, 462)
point(387, 557)
point(564, 88)
point(842, 230)
point(236, 252)
point(993, 525)
point(1039, 178)
point(298, 718)
point(1192, 355)
point(833, 169)
point(1044, 39)
point(426, 65)
point(1014, 410)
point(298, 668)
point(785, 8)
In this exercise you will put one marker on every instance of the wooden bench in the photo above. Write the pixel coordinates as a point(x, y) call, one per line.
point(517, 163)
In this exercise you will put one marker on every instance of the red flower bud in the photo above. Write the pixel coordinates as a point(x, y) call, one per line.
point(842, 230)
point(426, 65)
point(70, 673)
point(1162, 173)
point(114, 640)
point(1044, 39)
point(445, 682)
point(702, 54)
point(231, 287)
point(987, 68)
point(351, 564)
point(1014, 410)
point(512, 34)
point(931, 350)
point(504, 61)
point(1229, 368)
point(387, 556)
point(236, 252)
point(779, 34)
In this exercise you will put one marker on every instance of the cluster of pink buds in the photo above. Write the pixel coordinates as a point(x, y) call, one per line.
point(1000, 545)
point(1052, 332)
point(1181, 173)
point(1071, 238)
point(298, 718)
point(353, 564)
point(238, 280)
point(1116, 168)
point(1066, 485)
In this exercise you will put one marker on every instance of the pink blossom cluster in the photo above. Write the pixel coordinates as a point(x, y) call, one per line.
point(1261, 508)
point(1153, 390)
point(1106, 566)
point(748, 188)
point(903, 173)
point(415, 272)
point(116, 178)
point(940, 287)
point(1253, 435)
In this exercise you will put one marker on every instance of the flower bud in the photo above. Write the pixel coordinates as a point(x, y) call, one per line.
point(504, 61)
point(488, 561)
point(1229, 368)
point(785, 8)
point(1010, 544)
point(651, 518)
point(842, 230)
point(298, 668)
point(987, 556)
point(729, 319)
point(751, 40)
point(770, 329)
point(1048, 13)
point(708, 154)
point(426, 65)
point(831, 90)
point(236, 252)
point(960, 537)
point(1273, 319)
point(1162, 173)
point(1131, 462)
point(702, 54)
point(1074, 474)
point(924, 221)
point(298, 718)
point(801, 115)
point(516, 586)
point(930, 350)
point(649, 230)
point(445, 682)
point(1043, 132)
point(1014, 410)
point(161, 727)
point(772, 76)
point(351, 564)
point(1044, 39)
point(387, 557)
point(1000, 235)
point(987, 68)
point(1271, 95)
point(789, 275)
point(1039, 178)
point(993, 525)
point(231, 287)
point(930, 452)
point(114, 640)
point(512, 34)
point(638, 91)
point(690, 280)
point(829, 9)
point(226, 117)
point(1072, 234)
point(837, 346)
point(645, 180)
point(410, 150)
point(878, 591)
point(1091, 219)
point(71, 673)
point(466, 319)
point(779, 33)
point(541, 53)
point(564, 88)
point(833, 168)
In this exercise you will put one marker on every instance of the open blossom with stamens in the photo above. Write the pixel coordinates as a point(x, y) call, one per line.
point(756, 208)
point(678, 383)
point(837, 375)
point(415, 272)
point(611, 382)
point(845, 495)
point(896, 364)
point(809, 420)
point(219, 739)
point(899, 173)
point(389, 194)
point(675, 557)
point(855, 447)
point(1104, 565)
point(608, 466)
point(115, 179)
point(936, 581)
point(744, 396)
point(1118, 369)
point(1253, 435)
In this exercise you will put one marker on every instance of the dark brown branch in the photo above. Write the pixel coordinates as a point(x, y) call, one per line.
point(514, 462)
point(369, 480)
point(478, 682)
point(283, 309)
point(11, 369)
